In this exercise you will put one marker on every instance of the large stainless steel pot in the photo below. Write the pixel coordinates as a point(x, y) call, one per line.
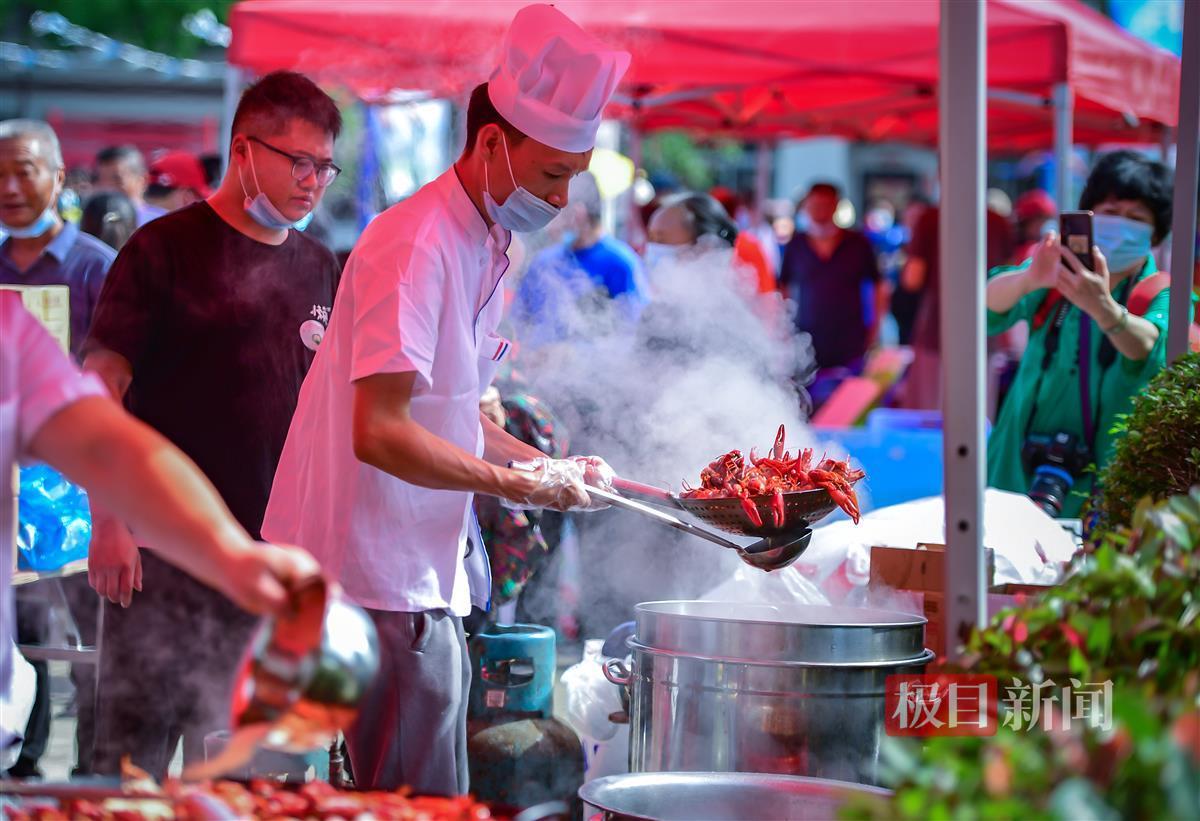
point(765, 689)
point(718, 797)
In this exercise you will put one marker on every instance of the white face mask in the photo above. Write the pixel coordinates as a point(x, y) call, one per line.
point(522, 211)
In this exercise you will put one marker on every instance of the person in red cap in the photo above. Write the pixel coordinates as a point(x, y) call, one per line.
point(176, 179)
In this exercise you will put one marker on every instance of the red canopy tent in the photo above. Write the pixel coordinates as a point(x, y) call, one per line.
point(866, 69)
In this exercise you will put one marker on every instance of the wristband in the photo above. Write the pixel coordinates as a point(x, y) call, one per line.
point(1120, 326)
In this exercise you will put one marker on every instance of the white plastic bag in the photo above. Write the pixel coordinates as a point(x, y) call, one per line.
point(590, 697)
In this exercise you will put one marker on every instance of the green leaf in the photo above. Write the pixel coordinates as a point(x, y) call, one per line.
point(1189, 615)
point(1099, 638)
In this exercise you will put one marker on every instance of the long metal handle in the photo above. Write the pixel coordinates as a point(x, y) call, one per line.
point(661, 516)
point(648, 492)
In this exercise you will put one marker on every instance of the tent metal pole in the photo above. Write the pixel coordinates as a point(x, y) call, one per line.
point(1020, 98)
point(1064, 110)
point(1187, 160)
point(961, 140)
point(232, 91)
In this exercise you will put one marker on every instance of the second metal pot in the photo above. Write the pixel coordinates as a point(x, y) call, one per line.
point(756, 688)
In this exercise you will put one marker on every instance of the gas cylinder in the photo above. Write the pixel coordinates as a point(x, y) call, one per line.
point(519, 755)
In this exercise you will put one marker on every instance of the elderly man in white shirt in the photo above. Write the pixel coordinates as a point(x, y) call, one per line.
point(388, 445)
point(49, 411)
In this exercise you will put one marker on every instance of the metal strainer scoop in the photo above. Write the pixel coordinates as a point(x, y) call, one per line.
point(770, 553)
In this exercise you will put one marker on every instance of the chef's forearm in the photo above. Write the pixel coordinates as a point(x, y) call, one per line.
point(500, 447)
point(404, 448)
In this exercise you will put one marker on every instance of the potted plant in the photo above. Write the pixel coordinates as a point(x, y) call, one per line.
point(1127, 613)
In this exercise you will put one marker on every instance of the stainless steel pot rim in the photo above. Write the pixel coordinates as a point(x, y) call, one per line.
point(924, 658)
point(658, 608)
point(798, 783)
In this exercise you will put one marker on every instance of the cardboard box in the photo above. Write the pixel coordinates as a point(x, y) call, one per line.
point(923, 572)
point(51, 305)
point(934, 609)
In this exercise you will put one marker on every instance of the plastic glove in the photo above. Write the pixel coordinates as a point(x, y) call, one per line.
point(560, 485)
point(596, 472)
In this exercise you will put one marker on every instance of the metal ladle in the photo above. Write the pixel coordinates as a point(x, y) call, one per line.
point(771, 553)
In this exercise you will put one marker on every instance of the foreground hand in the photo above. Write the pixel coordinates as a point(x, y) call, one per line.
point(261, 577)
point(114, 561)
point(557, 484)
point(1089, 291)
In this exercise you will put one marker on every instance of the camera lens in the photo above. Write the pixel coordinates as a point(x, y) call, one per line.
point(1049, 488)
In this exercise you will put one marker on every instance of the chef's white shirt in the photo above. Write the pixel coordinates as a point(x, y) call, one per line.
point(36, 381)
point(421, 292)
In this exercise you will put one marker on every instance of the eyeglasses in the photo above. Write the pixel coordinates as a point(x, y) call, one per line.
point(303, 166)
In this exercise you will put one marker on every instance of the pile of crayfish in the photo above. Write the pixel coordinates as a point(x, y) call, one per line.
point(733, 476)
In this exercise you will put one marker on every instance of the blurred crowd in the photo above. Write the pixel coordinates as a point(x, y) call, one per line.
point(853, 287)
point(853, 295)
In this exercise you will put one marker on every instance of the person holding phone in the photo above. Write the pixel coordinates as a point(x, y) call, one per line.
point(1088, 354)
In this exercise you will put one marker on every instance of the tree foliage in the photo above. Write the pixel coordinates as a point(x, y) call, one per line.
point(1159, 453)
point(151, 24)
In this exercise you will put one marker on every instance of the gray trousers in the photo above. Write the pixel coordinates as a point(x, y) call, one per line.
point(412, 724)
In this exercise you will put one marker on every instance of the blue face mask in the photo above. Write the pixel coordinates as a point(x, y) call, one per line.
point(262, 210)
point(1124, 242)
point(39, 226)
point(522, 211)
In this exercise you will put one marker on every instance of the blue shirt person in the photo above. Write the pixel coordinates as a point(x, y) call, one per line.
point(40, 248)
point(586, 272)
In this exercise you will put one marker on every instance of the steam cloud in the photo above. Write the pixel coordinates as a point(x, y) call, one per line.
point(707, 367)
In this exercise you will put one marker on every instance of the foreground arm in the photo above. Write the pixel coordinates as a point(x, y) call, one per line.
point(134, 472)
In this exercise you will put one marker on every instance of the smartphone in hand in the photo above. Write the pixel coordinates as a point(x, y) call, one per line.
point(1076, 230)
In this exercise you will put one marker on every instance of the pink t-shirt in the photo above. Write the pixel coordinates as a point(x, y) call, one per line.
point(36, 381)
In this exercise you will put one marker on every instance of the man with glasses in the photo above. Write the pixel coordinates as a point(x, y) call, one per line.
point(206, 326)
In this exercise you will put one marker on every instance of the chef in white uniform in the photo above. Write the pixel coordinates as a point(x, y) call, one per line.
point(388, 445)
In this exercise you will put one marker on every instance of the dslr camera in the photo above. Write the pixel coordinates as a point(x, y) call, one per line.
point(1056, 461)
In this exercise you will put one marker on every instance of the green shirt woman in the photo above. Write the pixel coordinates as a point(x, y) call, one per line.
point(1069, 390)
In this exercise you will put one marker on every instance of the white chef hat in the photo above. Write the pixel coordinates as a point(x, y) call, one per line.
point(554, 79)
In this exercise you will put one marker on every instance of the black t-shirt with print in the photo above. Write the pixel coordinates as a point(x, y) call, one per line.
point(220, 330)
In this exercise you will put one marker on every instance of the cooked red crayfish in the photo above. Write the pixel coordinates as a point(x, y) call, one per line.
point(733, 476)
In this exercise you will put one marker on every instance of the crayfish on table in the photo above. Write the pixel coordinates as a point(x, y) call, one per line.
point(734, 476)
